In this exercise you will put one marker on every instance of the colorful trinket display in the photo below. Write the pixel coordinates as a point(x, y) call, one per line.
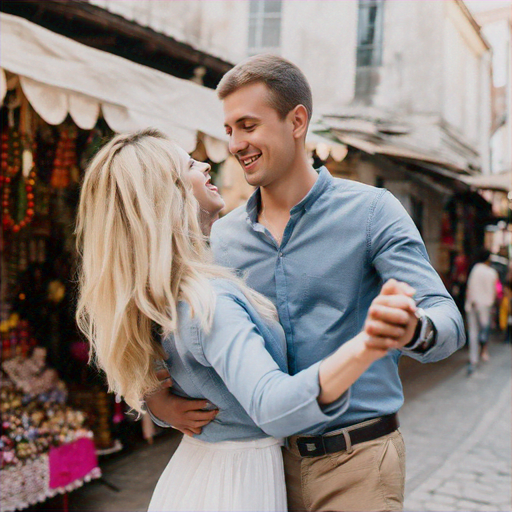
point(35, 420)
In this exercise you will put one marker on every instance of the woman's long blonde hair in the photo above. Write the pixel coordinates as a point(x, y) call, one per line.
point(142, 251)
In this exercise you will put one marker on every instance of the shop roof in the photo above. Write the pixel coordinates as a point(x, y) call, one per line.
point(498, 182)
point(415, 136)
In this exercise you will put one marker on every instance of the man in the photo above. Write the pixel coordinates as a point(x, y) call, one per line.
point(320, 248)
point(480, 298)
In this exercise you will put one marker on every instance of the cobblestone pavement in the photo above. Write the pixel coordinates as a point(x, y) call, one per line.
point(457, 432)
point(458, 437)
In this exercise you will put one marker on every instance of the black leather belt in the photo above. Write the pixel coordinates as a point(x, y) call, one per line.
point(315, 446)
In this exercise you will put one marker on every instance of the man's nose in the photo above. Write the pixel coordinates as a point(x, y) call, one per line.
point(236, 144)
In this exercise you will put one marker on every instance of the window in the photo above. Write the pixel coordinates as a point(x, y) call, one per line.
point(264, 26)
point(369, 33)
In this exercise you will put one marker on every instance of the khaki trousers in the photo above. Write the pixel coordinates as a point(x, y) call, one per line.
point(371, 477)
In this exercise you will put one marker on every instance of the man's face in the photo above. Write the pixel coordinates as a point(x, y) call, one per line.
point(262, 142)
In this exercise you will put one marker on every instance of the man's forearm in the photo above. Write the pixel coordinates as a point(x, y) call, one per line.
point(157, 421)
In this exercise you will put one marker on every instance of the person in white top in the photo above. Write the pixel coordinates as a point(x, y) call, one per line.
point(480, 298)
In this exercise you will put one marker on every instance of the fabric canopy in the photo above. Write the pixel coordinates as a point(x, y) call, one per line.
point(61, 76)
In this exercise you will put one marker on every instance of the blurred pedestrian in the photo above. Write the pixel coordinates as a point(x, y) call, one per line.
point(146, 267)
point(481, 294)
point(460, 279)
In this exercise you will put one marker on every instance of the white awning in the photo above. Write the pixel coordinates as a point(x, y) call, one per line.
point(61, 76)
point(325, 146)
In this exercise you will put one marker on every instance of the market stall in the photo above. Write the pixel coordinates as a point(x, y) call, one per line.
point(49, 444)
point(61, 101)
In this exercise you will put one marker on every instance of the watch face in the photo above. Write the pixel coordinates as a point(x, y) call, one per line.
point(429, 330)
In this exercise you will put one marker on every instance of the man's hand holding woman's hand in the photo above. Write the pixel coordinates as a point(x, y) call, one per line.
point(391, 319)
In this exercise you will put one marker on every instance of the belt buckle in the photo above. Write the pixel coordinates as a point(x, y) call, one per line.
point(311, 446)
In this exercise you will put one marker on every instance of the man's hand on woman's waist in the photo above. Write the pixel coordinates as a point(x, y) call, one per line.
point(186, 415)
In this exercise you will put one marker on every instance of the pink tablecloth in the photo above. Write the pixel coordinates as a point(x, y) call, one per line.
point(72, 462)
point(61, 470)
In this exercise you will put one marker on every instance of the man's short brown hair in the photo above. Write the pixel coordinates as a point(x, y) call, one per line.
point(287, 84)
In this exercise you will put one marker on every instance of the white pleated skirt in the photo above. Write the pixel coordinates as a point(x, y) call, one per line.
point(225, 476)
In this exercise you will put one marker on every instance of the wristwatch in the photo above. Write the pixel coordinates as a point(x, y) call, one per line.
point(424, 336)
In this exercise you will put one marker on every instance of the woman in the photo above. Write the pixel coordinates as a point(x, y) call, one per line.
point(205, 192)
point(146, 266)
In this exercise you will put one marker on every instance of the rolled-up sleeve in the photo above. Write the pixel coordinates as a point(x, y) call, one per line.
point(397, 251)
point(280, 404)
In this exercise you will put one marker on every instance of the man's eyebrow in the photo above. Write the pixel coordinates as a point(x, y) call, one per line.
point(242, 119)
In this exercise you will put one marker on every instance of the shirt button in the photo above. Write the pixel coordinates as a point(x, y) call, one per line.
point(280, 254)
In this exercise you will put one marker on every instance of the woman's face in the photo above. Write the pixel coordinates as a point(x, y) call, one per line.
point(206, 194)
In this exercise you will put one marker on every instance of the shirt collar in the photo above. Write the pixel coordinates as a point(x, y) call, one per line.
point(321, 184)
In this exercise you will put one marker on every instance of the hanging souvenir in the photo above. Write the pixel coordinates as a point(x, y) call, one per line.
point(65, 158)
point(11, 152)
point(20, 203)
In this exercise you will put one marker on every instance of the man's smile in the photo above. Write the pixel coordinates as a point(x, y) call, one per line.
point(248, 161)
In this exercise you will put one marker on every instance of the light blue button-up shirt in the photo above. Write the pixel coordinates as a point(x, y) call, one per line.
point(343, 240)
point(240, 366)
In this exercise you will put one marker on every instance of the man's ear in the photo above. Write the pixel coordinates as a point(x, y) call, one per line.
point(299, 119)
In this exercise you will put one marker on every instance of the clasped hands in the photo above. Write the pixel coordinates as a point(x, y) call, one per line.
point(391, 320)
